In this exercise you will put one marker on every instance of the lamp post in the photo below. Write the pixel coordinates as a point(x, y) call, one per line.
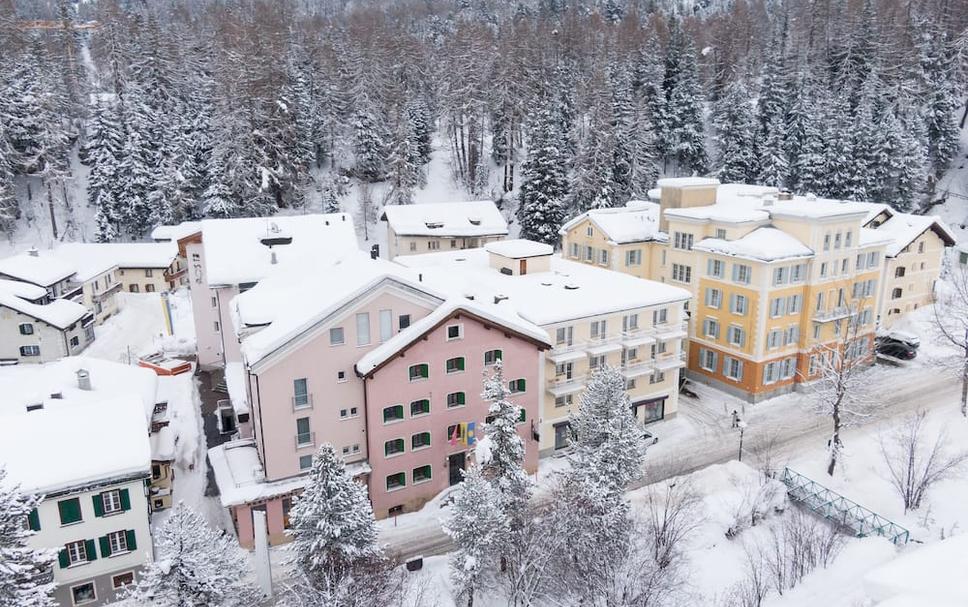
point(742, 430)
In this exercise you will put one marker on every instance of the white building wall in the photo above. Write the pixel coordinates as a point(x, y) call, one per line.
point(53, 342)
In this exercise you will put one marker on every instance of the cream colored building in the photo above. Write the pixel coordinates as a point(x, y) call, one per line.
point(413, 229)
point(593, 317)
point(142, 267)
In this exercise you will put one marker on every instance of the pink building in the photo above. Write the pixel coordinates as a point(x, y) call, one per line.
point(302, 332)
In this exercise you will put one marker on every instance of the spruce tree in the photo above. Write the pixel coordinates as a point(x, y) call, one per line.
point(544, 184)
point(736, 134)
point(593, 183)
point(21, 565)
point(683, 120)
point(504, 465)
point(938, 96)
point(370, 145)
point(774, 168)
point(197, 566)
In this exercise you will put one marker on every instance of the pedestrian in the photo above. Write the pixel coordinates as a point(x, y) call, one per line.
point(735, 419)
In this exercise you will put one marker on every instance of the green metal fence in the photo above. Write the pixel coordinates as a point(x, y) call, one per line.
point(840, 510)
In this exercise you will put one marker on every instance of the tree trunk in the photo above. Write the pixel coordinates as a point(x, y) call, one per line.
point(964, 380)
point(834, 442)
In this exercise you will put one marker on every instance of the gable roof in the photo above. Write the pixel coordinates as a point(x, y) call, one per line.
point(24, 290)
point(905, 228)
point(492, 315)
point(762, 244)
point(41, 269)
point(637, 221)
point(121, 254)
point(60, 313)
point(474, 218)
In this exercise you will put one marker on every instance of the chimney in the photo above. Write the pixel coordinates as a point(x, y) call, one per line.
point(684, 192)
point(33, 252)
point(272, 258)
point(784, 195)
point(83, 379)
point(375, 251)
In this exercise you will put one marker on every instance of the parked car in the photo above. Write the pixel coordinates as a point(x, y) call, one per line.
point(649, 438)
point(896, 349)
point(903, 337)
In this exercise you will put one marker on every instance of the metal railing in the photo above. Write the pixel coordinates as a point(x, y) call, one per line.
point(840, 510)
point(302, 402)
point(836, 313)
point(305, 439)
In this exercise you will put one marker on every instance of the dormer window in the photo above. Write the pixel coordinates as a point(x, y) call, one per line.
point(434, 225)
point(475, 221)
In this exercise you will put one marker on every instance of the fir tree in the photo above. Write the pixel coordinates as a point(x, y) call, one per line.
point(939, 96)
point(219, 200)
point(504, 465)
point(593, 184)
point(403, 165)
point(333, 530)
point(774, 168)
point(197, 566)
point(809, 150)
point(683, 120)
point(20, 565)
point(736, 135)
point(478, 527)
point(369, 144)
point(332, 188)
point(544, 182)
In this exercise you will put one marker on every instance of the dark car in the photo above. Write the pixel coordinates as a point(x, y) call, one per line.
point(898, 350)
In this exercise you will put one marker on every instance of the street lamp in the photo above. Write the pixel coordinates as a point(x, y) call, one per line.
point(742, 430)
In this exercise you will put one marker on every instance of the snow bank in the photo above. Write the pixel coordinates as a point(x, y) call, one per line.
point(934, 574)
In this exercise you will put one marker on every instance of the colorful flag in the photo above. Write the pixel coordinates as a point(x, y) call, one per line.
point(454, 435)
point(470, 437)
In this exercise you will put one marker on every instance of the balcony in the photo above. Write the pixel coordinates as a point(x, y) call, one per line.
point(101, 296)
point(637, 337)
point(172, 276)
point(637, 368)
point(302, 401)
point(603, 345)
point(838, 313)
point(562, 385)
point(46, 576)
point(670, 360)
point(305, 439)
point(565, 353)
point(672, 331)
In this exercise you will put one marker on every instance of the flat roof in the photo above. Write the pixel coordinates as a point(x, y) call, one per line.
point(519, 248)
point(472, 218)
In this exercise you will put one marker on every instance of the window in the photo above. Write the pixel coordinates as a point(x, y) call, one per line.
point(598, 329)
point(681, 273)
point(826, 242)
point(741, 273)
point(630, 323)
point(794, 304)
point(732, 368)
point(393, 413)
point(305, 462)
point(386, 325)
point(564, 401)
point(716, 268)
point(455, 365)
point(774, 339)
point(777, 307)
point(563, 371)
point(83, 593)
point(348, 413)
point(421, 474)
point(860, 261)
point(710, 328)
point(738, 304)
point(300, 391)
point(456, 399)
point(455, 331)
point(563, 336)
point(517, 385)
point(837, 238)
point(714, 298)
point(418, 407)
point(340, 377)
point(396, 481)
point(70, 511)
point(823, 270)
point(596, 362)
point(660, 316)
point(896, 293)
point(629, 384)
point(736, 336)
point(721, 233)
point(403, 321)
point(707, 359)
point(433, 245)
point(76, 552)
point(149, 288)
point(682, 240)
point(455, 432)
point(418, 372)
point(30, 350)
point(792, 335)
point(122, 579)
point(363, 329)
point(304, 437)
point(420, 440)
point(872, 259)
point(797, 273)
point(214, 302)
point(336, 337)
point(413, 246)
point(603, 257)
point(589, 253)
point(633, 257)
point(780, 276)
point(573, 249)
point(589, 231)
point(393, 447)
point(492, 356)
point(75, 341)
point(657, 377)
point(898, 273)
point(111, 501)
point(26, 329)
point(133, 288)
point(117, 542)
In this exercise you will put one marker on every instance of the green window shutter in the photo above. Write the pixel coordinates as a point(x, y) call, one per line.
point(425, 370)
point(105, 546)
point(522, 415)
point(91, 550)
point(70, 511)
point(129, 536)
point(98, 504)
point(125, 500)
point(63, 559)
point(33, 520)
point(460, 363)
point(523, 384)
point(499, 354)
point(460, 398)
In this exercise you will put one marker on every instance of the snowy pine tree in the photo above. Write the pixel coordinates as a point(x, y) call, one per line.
point(544, 179)
point(478, 527)
point(404, 165)
point(333, 530)
point(369, 144)
point(684, 139)
point(197, 566)
point(774, 168)
point(504, 462)
point(735, 125)
point(939, 96)
point(593, 183)
point(21, 565)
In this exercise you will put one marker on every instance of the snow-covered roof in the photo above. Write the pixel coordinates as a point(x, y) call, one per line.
point(235, 252)
point(241, 477)
point(88, 266)
point(735, 203)
point(60, 448)
point(870, 237)
point(904, 228)
point(811, 207)
point(501, 314)
point(518, 248)
point(123, 255)
point(567, 292)
point(931, 574)
point(637, 221)
point(60, 313)
point(290, 302)
point(38, 267)
point(23, 385)
point(176, 232)
point(762, 244)
point(22, 289)
point(235, 381)
point(686, 182)
point(163, 444)
point(474, 218)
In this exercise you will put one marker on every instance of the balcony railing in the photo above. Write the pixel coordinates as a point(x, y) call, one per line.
point(305, 439)
point(303, 401)
point(101, 296)
point(838, 313)
point(72, 291)
point(562, 384)
point(637, 368)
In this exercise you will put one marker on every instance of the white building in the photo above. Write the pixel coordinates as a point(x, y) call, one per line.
point(33, 332)
point(142, 267)
point(90, 460)
point(422, 228)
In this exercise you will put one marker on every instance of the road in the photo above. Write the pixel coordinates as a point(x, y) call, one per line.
point(788, 428)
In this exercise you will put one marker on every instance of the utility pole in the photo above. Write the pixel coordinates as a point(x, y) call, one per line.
point(742, 430)
point(50, 205)
point(964, 379)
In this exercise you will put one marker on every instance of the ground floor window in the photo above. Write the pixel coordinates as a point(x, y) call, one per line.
point(83, 593)
point(561, 435)
point(654, 409)
point(122, 579)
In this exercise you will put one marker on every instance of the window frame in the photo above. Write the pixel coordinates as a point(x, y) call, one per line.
point(393, 443)
point(394, 419)
point(397, 487)
point(413, 442)
point(93, 586)
point(460, 399)
point(460, 332)
point(458, 365)
point(422, 411)
point(342, 336)
point(426, 479)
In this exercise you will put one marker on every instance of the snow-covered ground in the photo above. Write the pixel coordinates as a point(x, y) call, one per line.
point(139, 328)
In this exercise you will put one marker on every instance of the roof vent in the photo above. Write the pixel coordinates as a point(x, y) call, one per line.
point(433, 225)
point(545, 284)
point(83, 379)
point(571, 286)
point(499, 298)
point(35, 407)
point(784, 195)
point(33, 252)
point(57, 396)
point(475, 221)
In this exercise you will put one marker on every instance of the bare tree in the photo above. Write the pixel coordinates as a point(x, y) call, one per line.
point(671, 515)
point(951, 320)
point(915, 462)
point(839, 389)
point(753, 589)
point(530, 571)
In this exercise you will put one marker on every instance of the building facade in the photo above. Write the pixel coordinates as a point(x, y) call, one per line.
point(35, 333)
point(423, 228)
